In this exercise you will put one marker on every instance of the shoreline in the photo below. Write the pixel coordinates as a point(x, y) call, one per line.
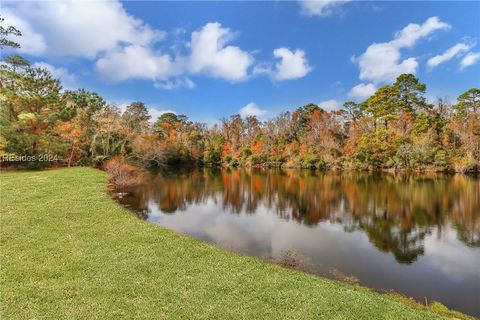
point(98, 242)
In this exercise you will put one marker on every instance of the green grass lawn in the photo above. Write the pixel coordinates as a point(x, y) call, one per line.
point(69, 251)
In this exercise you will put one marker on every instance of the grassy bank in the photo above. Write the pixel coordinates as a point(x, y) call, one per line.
point(69, 251)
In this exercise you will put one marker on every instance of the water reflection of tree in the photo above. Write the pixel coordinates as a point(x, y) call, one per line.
point(395, 211)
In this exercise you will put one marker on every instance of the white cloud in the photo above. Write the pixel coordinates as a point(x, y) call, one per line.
point(362, 91)
point(251, 109)
point(449, 54)
point(30, 42)
point(135, 62)
point(77, 29)
point(264, 68)
point(174, 84)
point(382, 62)
point(320, 8)
point(211, 55)
point(124, 47)
point(408, 36)
point(329, 105)
point(67, 79)
point(292, 65)
point(470, 59)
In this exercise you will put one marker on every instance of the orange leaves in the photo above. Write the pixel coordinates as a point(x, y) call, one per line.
point(303, 149)
point(257, 147)
point(316, 116)
point(354, 137)
point(293, 147)
point(68, 130)
point(122, 174)
point(294, 116)
point(38, 131)
point(403, 125)
point(226, 149)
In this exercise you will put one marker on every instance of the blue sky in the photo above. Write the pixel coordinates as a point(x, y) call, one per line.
point(213, 59)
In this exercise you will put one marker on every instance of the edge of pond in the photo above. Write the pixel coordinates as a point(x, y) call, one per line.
point(434, 309)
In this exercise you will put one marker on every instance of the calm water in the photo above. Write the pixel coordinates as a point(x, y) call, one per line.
point(416, 234)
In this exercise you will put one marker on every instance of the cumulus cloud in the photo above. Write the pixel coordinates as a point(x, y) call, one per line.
point(329, 105)
point(470, 59)
point(408, 36)
point(67, 79)
point(362, 91)
point(251, 109)
point(382, 62)
point(124, 47)
point(135, 62)
point(449, 54)
point(292, 64)
point(210, 54)
point(71, 28)
point(320, 8)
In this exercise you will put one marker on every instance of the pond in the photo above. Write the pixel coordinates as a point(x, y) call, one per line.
point(416, 234)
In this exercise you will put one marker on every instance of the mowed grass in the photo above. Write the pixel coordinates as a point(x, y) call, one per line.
point(70, 252)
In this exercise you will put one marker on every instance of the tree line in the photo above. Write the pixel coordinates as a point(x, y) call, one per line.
point(395, 128)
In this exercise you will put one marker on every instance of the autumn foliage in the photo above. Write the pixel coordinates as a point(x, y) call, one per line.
point(396, 128)
point(122, 174)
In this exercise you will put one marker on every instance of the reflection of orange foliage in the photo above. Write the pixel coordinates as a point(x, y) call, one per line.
point(258, 183)
point(301, 185)
point(226, 178)
point(396, 211)
point(292, 186)
point(236, 176)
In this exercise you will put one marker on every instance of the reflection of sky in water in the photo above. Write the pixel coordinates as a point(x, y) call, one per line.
point(448, 271)
point(416, 234)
